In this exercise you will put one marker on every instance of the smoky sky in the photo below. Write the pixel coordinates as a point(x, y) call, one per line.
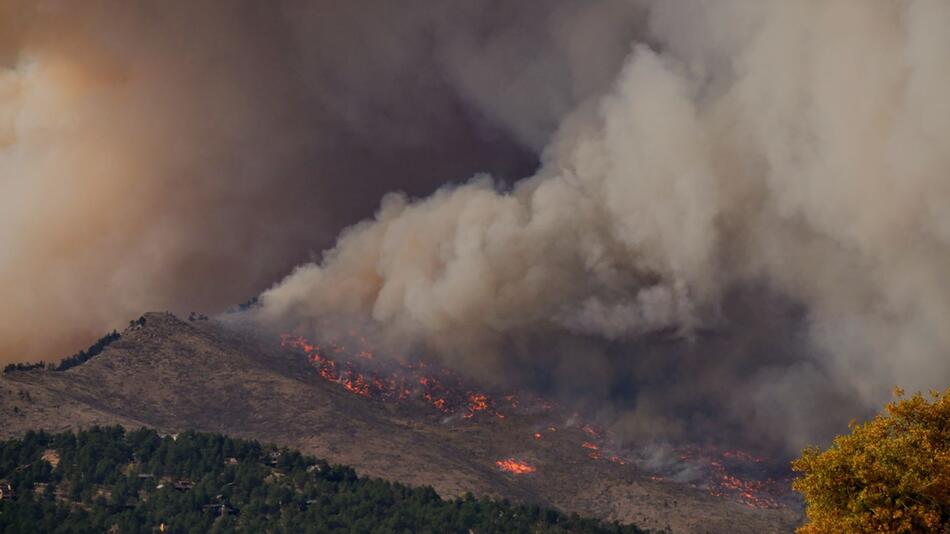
point(185, 155)
point(692, 217)
point(744, 234)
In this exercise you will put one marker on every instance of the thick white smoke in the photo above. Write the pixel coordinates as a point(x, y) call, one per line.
point(802, 148)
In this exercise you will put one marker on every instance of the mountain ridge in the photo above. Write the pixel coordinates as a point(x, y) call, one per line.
point(207, 375)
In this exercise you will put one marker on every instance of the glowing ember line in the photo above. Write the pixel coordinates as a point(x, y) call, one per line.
point(754, 493)
point(516, 467)
point(342, 361)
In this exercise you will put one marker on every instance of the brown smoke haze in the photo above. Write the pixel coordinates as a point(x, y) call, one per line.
point(734, 219)
point(184, 155)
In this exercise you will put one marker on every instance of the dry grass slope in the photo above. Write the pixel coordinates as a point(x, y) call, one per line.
point(174, 375)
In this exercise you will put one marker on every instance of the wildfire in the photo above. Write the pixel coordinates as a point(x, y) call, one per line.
point(345, 362)
point(515, 467)
point(742, 455)
point(723, 479)
point(594, 453)
point(752, 493)
point(477, 402)
point(352, 364)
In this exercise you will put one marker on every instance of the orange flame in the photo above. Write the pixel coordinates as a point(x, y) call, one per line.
point(516, 467)
point(754, 493)
point(589, 430)
point(336, 362)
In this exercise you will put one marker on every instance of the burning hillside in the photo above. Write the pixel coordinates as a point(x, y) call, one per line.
point(515, 467)
point(702, 225)
point(732, 474)
point(244, 383)
point(680, 215)
point(352, 363)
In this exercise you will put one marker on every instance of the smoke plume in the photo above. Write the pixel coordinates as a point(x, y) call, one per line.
point(184, 155)
point(732, 218)
point(746, 231)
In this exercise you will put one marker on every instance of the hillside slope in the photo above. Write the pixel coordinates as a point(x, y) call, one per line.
point(107, 480)
point(175, 375)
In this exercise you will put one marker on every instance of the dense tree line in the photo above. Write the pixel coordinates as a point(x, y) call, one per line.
point(84, 355)
point(70, 361)
point(138, 481)
point(9, 368)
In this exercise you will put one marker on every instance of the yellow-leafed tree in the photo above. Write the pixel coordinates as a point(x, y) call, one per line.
point(891, 474)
